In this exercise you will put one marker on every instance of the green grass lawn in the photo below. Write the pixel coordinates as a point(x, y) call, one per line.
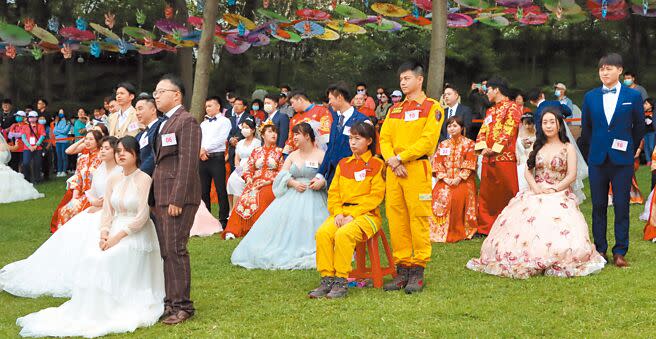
point(234, 302)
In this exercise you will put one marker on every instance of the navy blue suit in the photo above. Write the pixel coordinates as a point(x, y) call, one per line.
point(146, 154)
point(338, 146)
point(281, 120)
point(537, 116)
point(607, 165)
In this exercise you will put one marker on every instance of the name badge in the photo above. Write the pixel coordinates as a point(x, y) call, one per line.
point(445, 151)
point(412, 115)
point(360, 175)
point(488, 120)
point(32, 141)
point(143, 142)
point(133, 127)
point(169, 139)
point(311, 164)
point(425, 197)
point(347, 131)
point(620, 145)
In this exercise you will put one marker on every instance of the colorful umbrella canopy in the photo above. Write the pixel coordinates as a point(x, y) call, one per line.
point(138, 33)
point(493, 20)
point(312, 14)
point(169, 26)
point(458, 20)
point(104, 31)
point(476, 4)
point(385, 25)
point(345, 27)
point(235, 19)
point(309, 29)
point(514, 3)
point(73, 33)
point(388, 9)
point(14, 35)
point(328, 35)
point(347, 11)
point(287, 36)
point(45, 36)
point(272, 15)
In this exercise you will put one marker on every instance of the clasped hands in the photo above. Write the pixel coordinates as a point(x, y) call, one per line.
point(315, 184)
point(106, 242)
point(397, 167)
point(341, 220)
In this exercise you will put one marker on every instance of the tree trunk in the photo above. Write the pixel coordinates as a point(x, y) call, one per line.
point(571, 53)
point(204, 61)
point(437, 61)
point(185, 55)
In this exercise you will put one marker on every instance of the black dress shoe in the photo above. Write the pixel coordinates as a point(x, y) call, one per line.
point(604, 255)
point(479, 236)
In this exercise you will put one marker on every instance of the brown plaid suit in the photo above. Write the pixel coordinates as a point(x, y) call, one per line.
point(176, 182)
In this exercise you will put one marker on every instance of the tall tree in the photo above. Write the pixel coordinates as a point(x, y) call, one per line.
point(204, 61)
point(437, 61)
point(185, 55)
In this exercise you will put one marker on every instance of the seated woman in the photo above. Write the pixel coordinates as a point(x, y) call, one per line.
point(120, 283)
point(243, 151)
point(542, 230)
point(50, 269)
point(263, 165)
point(454, 194)
point(354, 199)
point(87, 161)
point(14, 187)
point(283, 237)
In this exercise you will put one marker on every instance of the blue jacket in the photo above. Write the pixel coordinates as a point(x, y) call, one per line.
point(281, 120)
point(338, 146)
point(62, 128)
point(146, 153)
point(627, 124)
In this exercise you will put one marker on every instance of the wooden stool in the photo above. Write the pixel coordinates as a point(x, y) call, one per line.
point(375, 272)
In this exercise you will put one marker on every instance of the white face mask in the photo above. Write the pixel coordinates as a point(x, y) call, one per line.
point(362, 91)
point(268, 108)
point(246, 132)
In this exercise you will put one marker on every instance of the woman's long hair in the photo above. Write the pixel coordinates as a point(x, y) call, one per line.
point(541, 139)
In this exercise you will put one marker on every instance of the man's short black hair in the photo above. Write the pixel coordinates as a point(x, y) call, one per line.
point(7, 101)
point(631, 74)
point(176, 81)
point(128, 86)
point(361, 84)
point(339, 89)
point(453, 88)
point(147, 97)
point(243, 101)
point(534, 94)
point(272, 98)
point(44, 101)
point(501, 84)
point(611, 59)
point(215, 98)
point(299, 93)
point(415, 66)
point(286, 87)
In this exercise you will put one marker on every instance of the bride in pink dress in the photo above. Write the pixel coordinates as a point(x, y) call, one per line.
point(542, 230)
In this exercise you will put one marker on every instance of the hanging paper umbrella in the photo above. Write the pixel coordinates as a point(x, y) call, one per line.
point(345, 27)
point(531, 18)
point(48, 47)
point(458, 20)
point(236, 45)
point(73, 33)
point(426, 5)
point(138, 33)
point(44, 35)
point(147, 50)
point(101, 46)
point(385, 25)
point(14, 35)
point(312, 14)
point(235, 19)
point(272, 15)
point(565, 7)
point(287, 36)
point(179, 42)
point(104, 31)
point(328, 35)
point(416, 22)
point(514, 3)
point(367, 20)
point(164, 46)
point(347, 11)
point(258, 39)
point(493, 20)
point(168, 26)
point(639, 10)
point(475, 4)
point(195, 21)
point(309, 29)
point(390, 10)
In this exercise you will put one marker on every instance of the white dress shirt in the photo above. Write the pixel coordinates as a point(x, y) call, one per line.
point(144, 135)
point(123, 116)
point(610, 102)
point(168, 115)
point(451, 111)
point(215, 134)
point(347, 115)
point(270, 118)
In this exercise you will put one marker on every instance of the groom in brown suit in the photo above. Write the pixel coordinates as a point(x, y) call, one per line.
point(176, 188)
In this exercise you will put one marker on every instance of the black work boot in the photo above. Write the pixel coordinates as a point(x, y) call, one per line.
point(399, 281)
point(415, 280)
point(339, 290)
point(323, 289)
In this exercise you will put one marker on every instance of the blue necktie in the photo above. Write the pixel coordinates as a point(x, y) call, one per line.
point(606, 90)
point(340, 122)
point(211, 119)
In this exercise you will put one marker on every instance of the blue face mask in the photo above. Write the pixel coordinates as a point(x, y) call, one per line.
point(256, 107)
point(61, 115)
point(484, 88)
point(557, 93)
point(628, 82)
point(19, 119)
point(42, 122)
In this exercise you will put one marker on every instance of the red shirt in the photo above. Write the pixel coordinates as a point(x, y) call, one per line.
point(32, 134)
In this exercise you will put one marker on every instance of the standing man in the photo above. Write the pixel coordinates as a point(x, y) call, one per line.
point(238, 116)
point(407, 139)
point(631, 81)
point(560, 92)
point(283, 105)
point(176, 188)
point(279, 119)
point(216, 129)
point(480, 103)
point(146, 112)
point(455, 108)
point(47, 149)
point(124, 121)
point(369, 102)
point(496, 143)
point(613, 125)
point(359, 102)
point(536, 98)
point(7, 117)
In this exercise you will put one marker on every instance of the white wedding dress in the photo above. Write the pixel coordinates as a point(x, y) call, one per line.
point(117, 290)
point(51, 268)
point(13, 186)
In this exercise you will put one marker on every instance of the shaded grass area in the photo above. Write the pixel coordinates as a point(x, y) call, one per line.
point(234, 302)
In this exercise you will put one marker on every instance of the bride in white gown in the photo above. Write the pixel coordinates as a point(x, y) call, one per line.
point(13, 186)
point(120, 285)
point(50, 269)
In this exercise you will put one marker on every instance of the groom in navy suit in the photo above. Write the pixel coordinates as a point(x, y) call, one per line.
point(613, 125)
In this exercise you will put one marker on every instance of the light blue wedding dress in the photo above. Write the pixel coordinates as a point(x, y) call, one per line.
point(283, 236)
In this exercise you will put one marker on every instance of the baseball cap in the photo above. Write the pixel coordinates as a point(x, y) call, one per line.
point(21, 114)
point(397, 93)
point(561, 86)
point(33, 114)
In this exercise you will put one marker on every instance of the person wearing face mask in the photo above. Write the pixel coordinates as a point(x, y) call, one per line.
point(383, 106)
point(243, 151)
point(278, 118)
point(479, 104)
point(33, 135)
point(47, 152)
point(631, 81)
point(496, 143)
point(257, 111)
point(560, 92)
point(369, 102)
point(237, 118)
point(7, 117)
point(14, 139)
point(61, 130)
